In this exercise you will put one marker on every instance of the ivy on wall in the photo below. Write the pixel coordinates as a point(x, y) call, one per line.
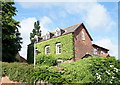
point(67, 48)
point(30, 53)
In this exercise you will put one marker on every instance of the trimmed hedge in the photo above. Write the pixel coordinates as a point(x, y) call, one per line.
point(49, 74)
point(87, 70)
point(46, 60)
point(18, 72)
point(93, 70)
point(67, 47)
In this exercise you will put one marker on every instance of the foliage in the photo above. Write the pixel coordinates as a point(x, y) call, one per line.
point(46, 60)
point(93, 70)
point(11, 40)
point(18, 72)
point(48, 74)
point(30, 53)
point(87, 70)
point(35, 31)
point(67, 48)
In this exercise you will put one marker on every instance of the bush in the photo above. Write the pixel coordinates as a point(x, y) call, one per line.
point(46, 60)
point(18, 72)
point(87, 70)
point(49, 74)
point(93, 70)
point(30, 53)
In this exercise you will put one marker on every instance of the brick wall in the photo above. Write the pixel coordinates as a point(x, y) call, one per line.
point(81, 47)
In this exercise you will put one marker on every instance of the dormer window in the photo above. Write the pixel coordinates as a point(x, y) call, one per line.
point(83, 36)
point(47, 35)
point(58, 32)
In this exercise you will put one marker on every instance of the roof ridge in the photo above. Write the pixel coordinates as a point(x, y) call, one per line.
point(64, 28)
point(71, 26)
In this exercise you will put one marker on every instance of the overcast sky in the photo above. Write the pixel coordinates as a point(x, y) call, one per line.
point(100, 19)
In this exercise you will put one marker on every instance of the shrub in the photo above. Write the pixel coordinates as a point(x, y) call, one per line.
point(30, 53)
point(18, 72)
point(87, 70)
point(93, 70)
point(46, 60)
point(48, 74)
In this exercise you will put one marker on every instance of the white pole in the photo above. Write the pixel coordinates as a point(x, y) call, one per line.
point(34, 54)
point(34, 58)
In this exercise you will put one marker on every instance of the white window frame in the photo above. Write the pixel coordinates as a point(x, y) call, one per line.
point(47, 35)
point(58, 49)
point(58, 32)
point(83, 35)
point(46, 49)
point(95, 51)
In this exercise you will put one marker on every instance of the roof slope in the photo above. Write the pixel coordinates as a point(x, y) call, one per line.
point(71, 29)
point(100, 47)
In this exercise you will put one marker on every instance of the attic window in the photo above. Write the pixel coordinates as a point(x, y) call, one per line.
point(47, 35)
point(58, 32)
point(83, 36)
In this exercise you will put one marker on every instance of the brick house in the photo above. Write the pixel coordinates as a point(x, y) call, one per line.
point(81, 41)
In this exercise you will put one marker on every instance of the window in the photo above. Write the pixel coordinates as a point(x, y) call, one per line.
point(95, 51)
point(83, 36)
point(47, 49)
point(58, 32)
point(47, 35)
point(102, 52)
point(58, 48)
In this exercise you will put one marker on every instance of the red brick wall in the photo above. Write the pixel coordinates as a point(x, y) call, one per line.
point(81, 47)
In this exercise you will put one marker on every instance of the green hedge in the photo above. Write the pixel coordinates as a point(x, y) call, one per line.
point(49, 74)
point(46, 60)
point(18, 72)
point(30, 53)
point(93, 70)
point(87, 70)
point(66, 45)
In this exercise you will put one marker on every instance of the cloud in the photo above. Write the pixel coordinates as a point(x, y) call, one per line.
point(107, 43)
point(95, 15)
point(28, 5)
point(27, 26)
point(99, 18)
point(46, 24)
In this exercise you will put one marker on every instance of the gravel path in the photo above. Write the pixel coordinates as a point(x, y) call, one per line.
point(6, 81)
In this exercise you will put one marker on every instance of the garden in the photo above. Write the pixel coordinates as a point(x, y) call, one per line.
point(88, 70)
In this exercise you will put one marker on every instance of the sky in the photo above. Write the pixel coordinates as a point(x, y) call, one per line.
point(100, 19)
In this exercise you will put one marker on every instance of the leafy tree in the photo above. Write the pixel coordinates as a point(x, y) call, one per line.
point(35, 31)
point(11, 40)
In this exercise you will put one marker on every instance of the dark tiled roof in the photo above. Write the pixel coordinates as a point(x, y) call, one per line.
point(72, 28)
point(100, 47)
point(67, 30)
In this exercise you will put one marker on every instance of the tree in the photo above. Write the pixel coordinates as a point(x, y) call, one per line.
point(35, 31)
point(11, 40)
